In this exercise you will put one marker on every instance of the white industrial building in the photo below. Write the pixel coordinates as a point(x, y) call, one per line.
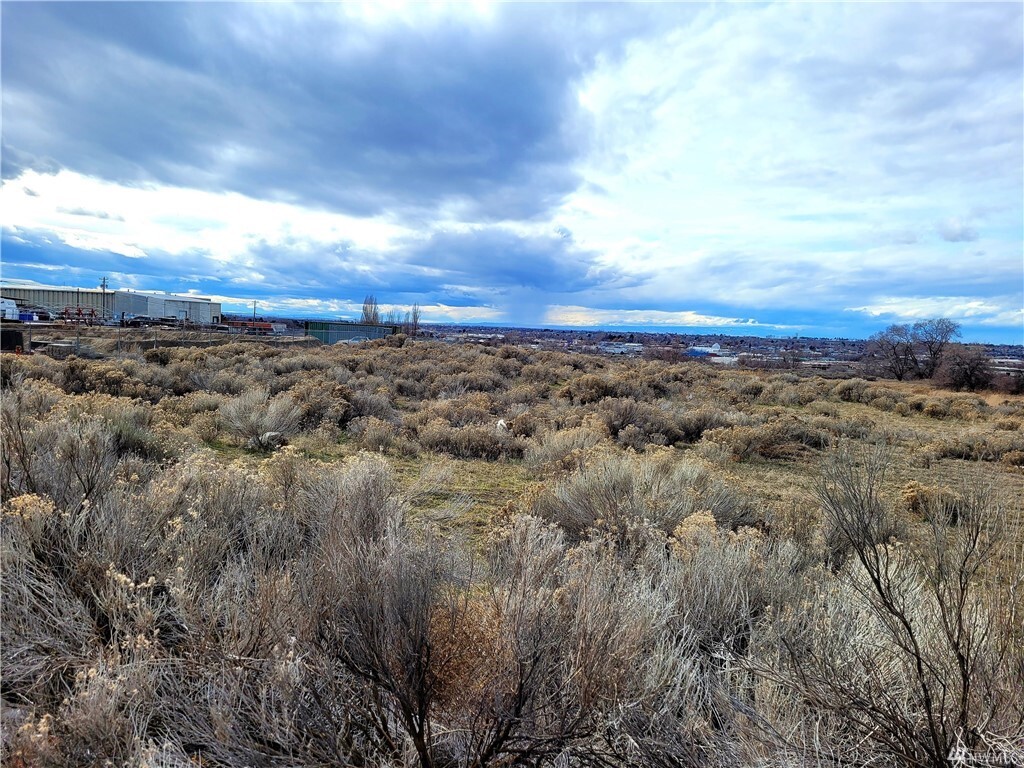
point(108, 304)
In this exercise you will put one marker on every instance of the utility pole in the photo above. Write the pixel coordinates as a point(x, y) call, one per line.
point(103, 299)
point(254, 317)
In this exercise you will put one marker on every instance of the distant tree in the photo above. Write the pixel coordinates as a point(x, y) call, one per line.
point(371, 311)
point(411, 321)
point(894, 349)
point(913, 351)
point(965, 367)
point(931, 338)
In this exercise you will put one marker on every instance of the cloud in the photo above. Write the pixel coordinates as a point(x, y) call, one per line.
point(991, 311)
point(956, 230)
point(588, 317)
point(358, 116)
point(777, 161)
point(80, 211)
point(258, 244)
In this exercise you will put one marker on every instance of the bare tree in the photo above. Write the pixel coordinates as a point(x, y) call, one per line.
point(965, 367)
point(894, 347)
point(916, 350)
point(371, 310)
point(931, 338)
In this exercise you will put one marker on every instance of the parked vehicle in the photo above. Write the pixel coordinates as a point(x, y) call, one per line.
point(8, 309)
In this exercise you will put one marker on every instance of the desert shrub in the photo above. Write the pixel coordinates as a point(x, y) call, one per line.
point(131, 427)
point(1013, 458)
point(482, 381)
point(693, 423)
point(563, 449)
point(159, 356)
point(877, 389)
point(779, 439)
point(253, 415)
point(645, 422)
point(321, 401)
point(371, 404)
point(523, 394)
point(613, 493)
point(979, 446)
point(31, 397)
point(46, 630)
point(824, 408)
point(72, 461)
point(538, 373)
point(206, 427)
point(73, 376)
point(747, 388)
point(968, 410)
point(713, 453)
point(883, 403)
point(936, 409)
point(372, 433)
point(11, 367)
point(299, 362)
point(281, 610)
point(470, 442)
point(779, 391)
point(229, 382)
point(412, 388)
point(742, 442)
point(917, 403)
point(930, 502)
point(851, 390)
point(180, 411)
point(856, 516)
point(723, 581)
point(588, 388)
point(858, 428)
point(474, 408)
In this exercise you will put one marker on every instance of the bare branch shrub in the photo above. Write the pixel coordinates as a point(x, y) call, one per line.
point(937, 627)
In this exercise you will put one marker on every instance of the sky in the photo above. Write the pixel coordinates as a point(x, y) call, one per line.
point(820, 169)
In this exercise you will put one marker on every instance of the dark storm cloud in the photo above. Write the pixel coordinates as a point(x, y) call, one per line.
point(14, 162)
point(500, 259)
point(303, 104)
point(486, 266)
point(490, 266)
